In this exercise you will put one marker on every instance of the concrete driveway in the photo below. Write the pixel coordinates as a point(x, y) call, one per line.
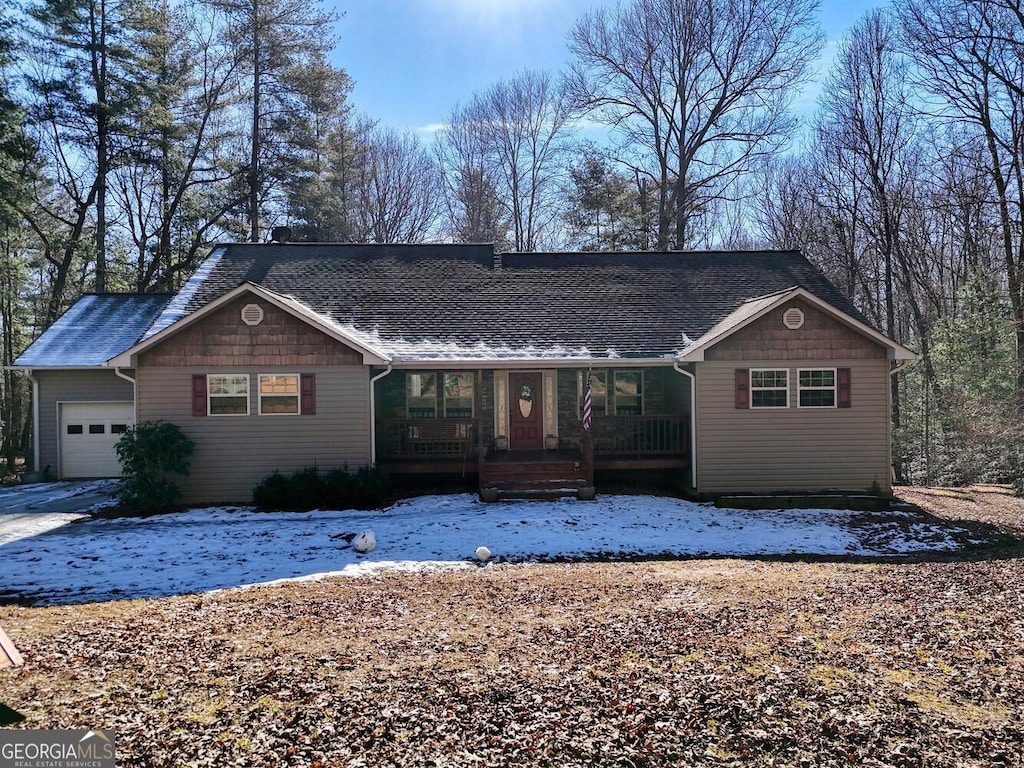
point(28, 510)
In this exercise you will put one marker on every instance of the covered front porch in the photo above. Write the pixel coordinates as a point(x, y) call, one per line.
point(520, 433)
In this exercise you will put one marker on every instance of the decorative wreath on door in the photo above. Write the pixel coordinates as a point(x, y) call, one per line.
point(525, 389)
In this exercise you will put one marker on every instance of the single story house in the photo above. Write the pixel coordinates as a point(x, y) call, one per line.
point(731, 371)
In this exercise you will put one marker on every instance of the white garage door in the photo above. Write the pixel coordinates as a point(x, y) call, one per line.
point(88, 433)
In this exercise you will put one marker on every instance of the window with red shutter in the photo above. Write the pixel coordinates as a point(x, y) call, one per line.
point(308, 394)
point(742, 388)
point(199, 395)
point(843, 398)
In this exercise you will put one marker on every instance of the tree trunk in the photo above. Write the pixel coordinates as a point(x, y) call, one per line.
point(99, 72)
point(254, 156)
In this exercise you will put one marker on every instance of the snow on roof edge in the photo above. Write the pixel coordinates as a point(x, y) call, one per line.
point(176, 307)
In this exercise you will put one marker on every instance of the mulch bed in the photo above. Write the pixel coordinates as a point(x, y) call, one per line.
point(710, 662)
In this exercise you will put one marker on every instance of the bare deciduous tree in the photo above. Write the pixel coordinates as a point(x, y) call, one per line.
point(970, 59)
point(398, 191)
point(696, 90)
point(473, 209)
point(522, 127)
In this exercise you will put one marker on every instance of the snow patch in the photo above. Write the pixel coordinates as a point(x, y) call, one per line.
point(402, 348)
point(199, 550)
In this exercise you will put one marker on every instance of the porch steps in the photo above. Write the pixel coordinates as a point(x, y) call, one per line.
point(531, 479)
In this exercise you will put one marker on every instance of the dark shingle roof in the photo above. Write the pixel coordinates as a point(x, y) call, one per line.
point(93, 330)
point(637, 304)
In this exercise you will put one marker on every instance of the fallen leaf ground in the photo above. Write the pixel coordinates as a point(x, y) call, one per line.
point(701, 662)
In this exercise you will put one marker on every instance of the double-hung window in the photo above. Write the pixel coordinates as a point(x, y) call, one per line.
point(421, 395)
point(228, 394)
point(458, 395)
point(817, 388)
point(629, 393)
point(279, 393)
point(769, 388)
point(598, 392)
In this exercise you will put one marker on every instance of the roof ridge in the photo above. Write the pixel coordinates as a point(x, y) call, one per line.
point(129, 294)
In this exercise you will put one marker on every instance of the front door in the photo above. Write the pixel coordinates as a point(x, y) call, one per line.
point(525, 419)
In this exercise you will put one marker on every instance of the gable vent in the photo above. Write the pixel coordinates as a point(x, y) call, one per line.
point(252, 314)
point(793, 318)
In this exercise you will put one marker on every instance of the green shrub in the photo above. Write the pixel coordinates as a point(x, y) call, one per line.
point(272, 492)
point(151, 454)
point(306, 488)
point(370, 488)
point(338, 486)
point(366, 488)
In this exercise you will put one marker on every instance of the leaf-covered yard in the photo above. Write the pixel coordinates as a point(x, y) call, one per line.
point(701, 662)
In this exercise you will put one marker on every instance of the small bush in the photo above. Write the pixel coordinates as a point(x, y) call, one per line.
point(272, 492)
point(307, 488)
point(366, 488)
point(151, 454)
point(370, 488)
point(337, 487)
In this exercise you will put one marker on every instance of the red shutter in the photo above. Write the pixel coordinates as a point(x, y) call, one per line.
point(199, 395)
point(308, 393)
point(742, 388)
point(843, 387)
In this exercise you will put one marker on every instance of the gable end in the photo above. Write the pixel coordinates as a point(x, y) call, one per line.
point(224, 339)
point(819, 337)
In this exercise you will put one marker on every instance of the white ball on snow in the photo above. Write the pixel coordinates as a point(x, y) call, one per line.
point(483, 554)
point(364, 542)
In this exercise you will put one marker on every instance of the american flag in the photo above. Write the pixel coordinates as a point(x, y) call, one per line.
point(588, 405)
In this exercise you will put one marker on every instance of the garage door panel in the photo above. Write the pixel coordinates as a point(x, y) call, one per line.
point(89, 433)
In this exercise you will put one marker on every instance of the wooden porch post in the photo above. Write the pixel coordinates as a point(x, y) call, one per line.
point(588, 456)
point(481, 448)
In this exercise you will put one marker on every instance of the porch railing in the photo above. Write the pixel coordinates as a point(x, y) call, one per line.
point(428, 438)
point(623, 436)
point(638, 435)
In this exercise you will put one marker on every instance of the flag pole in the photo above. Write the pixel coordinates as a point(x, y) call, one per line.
point(587, 441)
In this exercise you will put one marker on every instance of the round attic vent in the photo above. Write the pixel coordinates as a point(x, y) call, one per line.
point(793, 318)
point(252, 314)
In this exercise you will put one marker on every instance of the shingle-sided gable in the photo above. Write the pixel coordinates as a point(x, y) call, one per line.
point(820, 336)
point(223, 339)
point(267, 343)
point(828, 332)
point(93, 330)
point(419, 298)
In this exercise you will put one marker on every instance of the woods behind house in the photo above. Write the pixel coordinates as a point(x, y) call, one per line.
point(135, 133)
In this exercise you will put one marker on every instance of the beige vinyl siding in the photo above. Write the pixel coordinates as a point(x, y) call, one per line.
point(793, 449)
point(101, 386)
point(233, 453)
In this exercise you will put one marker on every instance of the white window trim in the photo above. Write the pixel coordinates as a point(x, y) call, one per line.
point(581, 391)
point(444, 394)
point(834, 388)
point(298, 395)
point(643, 383)
point(210, 396)
point(438, 394)
point(750, 389)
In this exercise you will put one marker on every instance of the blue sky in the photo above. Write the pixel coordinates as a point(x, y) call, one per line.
point(413, 60)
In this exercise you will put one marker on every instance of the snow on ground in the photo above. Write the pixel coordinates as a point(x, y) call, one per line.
point(29, 510)
point(213, 548)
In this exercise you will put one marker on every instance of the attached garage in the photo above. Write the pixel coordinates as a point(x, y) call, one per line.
point(81, 405)
point(88, 434)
